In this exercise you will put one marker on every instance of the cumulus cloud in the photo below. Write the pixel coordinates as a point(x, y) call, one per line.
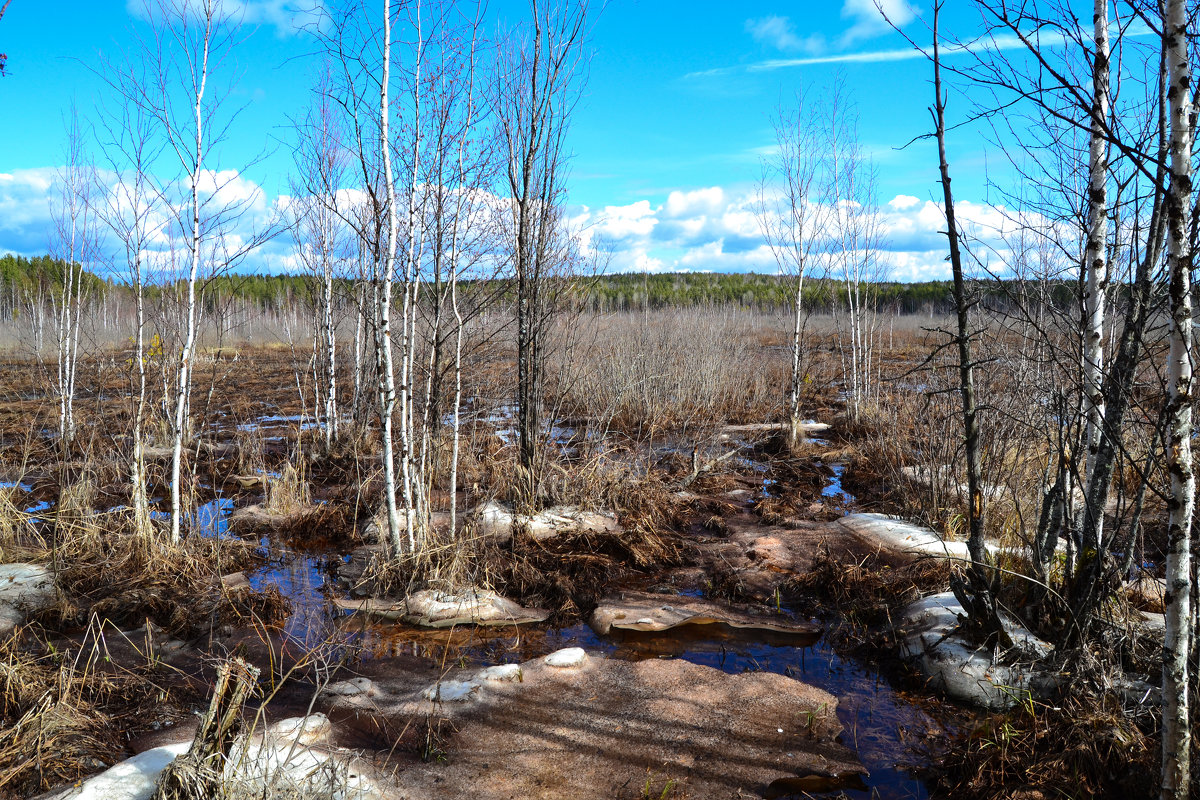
point(713, 229)
point(709, 229)
point(26, 217)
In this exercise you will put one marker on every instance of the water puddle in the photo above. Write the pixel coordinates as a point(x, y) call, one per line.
point(301, 577)
point(834, 491)
point(304, 421)
point(503, 421)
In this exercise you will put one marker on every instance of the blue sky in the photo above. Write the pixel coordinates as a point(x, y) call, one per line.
point(669, 135)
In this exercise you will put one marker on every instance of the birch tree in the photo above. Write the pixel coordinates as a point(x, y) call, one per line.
point(387, 165)
point(75, 243)
point(854, 252)
point(1090, 154)
point(792, 219)
point(1176, 771)
point(1096, 255)
point(187, 60)
point(129, 210)
point(459, 233)
point(321, 241)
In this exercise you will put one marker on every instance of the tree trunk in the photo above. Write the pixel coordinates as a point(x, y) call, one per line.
point(976, 594)
point(383, 344)
point(1176, 765)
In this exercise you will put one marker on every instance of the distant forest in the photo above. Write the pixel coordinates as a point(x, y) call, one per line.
point(23, 279)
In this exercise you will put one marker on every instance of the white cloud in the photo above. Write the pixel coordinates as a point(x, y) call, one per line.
point(25, 214)
point(714, 229)
point(710, 229)
point(697, 201)
point(621, 222)
point(228, 187)
point(903, 202)
point(288, 17)
point(867, 18)
point(777, 32)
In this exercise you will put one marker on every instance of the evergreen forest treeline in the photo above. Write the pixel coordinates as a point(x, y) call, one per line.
point(23, 279)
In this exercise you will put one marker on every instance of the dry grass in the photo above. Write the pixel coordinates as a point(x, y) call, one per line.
point(289, 492)
point(567, 573)
point(646, 373)
point(865, 592)
point(1085, 748)
point(571, 573)
point(120, 577)
point(65, 713)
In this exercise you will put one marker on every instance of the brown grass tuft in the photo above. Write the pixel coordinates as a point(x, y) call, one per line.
point(1086, 748)
point(866, 591)
point(125, 578)
point(61, 711)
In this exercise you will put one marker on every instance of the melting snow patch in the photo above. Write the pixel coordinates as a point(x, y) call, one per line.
point(567, 657)
point(506, 673)
point(451, 691)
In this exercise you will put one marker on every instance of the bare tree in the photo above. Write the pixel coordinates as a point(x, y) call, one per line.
point(459, 234)
point(321, 238)
point(190, 47)
point(1089, 153)
point(76, 243)
point(130, 212)
point(977, 594)
point(853, 255)
point(536, 90)
point(792, 219)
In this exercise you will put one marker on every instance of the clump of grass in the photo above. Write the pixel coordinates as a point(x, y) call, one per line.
point(866, 591)
point(570, 573)
point(288, 493)
point(17, 535)
point(656, 788)
point(104, 570)
point(61, 711)
point(1084, 748)
point(319, 525)
point(567, 574)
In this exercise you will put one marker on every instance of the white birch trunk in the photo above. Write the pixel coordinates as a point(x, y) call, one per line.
point(387, 376)
point(184, 376)
point(1176, 764)
point(1096, 261)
